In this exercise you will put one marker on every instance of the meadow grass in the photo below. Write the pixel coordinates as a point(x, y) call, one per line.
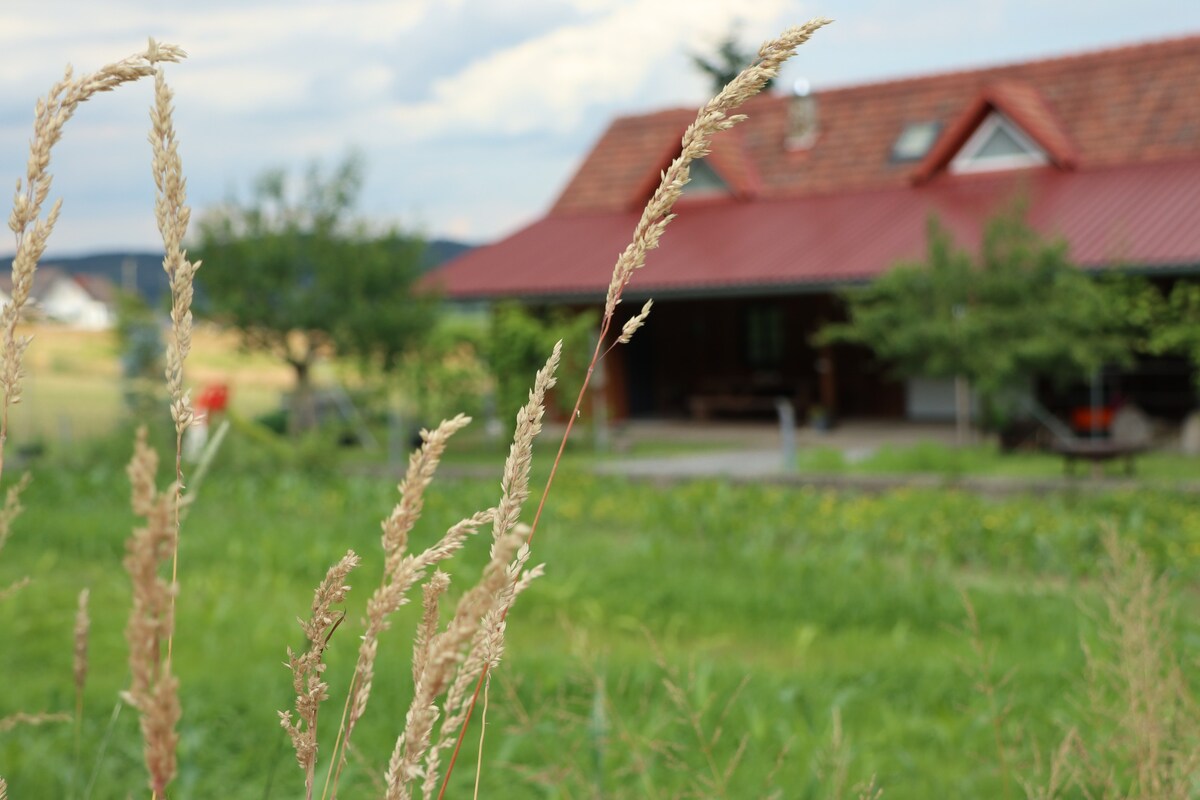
point(823, 600)
point(985, 460)
point(73, 391)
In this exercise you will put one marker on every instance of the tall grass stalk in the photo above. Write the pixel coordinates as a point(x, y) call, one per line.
point(172, 214)
point(713, 117)
point(83, 626)
point(1139, 691)
point(307, 667)
point(154, 688)
point(31, 229)
point(981, 669)
point(8, 513)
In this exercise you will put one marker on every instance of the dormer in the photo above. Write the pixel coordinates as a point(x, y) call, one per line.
point(705, 182)
point(726, 173)
point(1007, 126)
point(997, 144)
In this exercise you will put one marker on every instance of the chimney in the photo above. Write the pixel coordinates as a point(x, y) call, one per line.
point(802, 117)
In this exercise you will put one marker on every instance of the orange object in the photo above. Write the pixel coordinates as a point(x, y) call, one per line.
point(1082, 418)
point(213, 398)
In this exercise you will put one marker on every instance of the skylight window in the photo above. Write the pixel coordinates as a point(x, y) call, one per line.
point(915, 140)
point(998, 144)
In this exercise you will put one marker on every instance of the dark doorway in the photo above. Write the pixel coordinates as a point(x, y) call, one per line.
point(639, 360)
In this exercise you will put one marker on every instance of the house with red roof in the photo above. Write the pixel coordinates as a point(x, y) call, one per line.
point(80, 300)
point(824, 190)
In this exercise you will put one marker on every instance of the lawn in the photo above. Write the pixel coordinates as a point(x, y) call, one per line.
point(73, 391)
point(984, 460)
point(821, 603)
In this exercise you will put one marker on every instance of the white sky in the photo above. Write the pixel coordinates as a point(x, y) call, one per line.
point(471, 114)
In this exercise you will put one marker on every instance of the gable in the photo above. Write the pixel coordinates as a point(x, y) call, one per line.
point(705, 182)
point(64, 294)
point(998, 143)
point(1007, 125)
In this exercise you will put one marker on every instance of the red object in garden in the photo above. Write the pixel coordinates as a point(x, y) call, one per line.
point(1082, 418)
point(213, 399)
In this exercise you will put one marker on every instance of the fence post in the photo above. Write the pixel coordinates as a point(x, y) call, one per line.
point(787, 432)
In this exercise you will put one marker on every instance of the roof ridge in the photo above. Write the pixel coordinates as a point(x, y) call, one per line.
point(1080, 55)
point(1144, 45)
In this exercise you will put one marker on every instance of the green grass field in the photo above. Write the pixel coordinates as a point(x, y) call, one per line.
point(818, 601)
point(986, 460)
point(72, 390)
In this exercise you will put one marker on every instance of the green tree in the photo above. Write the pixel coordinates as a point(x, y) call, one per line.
point(1018, 311)
point(140, 345)
point(1041, 316)
point(724, 65)
point(1175, 323)
point(448, 370)
point(517, 347)
point(298, 275)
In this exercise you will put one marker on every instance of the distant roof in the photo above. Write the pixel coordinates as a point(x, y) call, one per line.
point(1120, 128)
point(43, 279)
point(99, 287)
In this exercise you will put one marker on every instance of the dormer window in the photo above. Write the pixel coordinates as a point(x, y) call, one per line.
point(915, 140)
point(997, 144)
point(705, 182)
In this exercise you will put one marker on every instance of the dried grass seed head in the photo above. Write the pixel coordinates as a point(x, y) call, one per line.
point(515, 482)
point(172, 215)
point(713, 117)
point(153, 688)
point(83, 626)
point(33, 232)
point(307, 667)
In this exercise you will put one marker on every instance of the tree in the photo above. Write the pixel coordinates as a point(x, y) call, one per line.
point(1020, 310)
point(1175, 323)
point(725, 64)
point(140, 344)
point(297, 275)
point(517, 345)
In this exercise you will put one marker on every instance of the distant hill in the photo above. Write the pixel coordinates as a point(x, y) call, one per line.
point(146, 273)
point(439, 251)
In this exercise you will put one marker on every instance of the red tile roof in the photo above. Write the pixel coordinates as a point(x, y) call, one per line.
point(1122, 128)
point(1120, 106)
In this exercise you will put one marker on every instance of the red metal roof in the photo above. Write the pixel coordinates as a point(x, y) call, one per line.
point(1146, 215)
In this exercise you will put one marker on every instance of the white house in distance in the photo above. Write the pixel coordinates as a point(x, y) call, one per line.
point(86, 302)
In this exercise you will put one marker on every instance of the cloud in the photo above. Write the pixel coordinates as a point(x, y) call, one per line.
point(472, 114)
point(226, 90)
point(549, 82)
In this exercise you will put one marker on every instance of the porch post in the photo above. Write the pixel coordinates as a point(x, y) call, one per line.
point(962, 409)
point(827, 377)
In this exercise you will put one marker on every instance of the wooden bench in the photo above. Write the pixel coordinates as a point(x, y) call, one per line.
point(704, 406)
point(1098, 451)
